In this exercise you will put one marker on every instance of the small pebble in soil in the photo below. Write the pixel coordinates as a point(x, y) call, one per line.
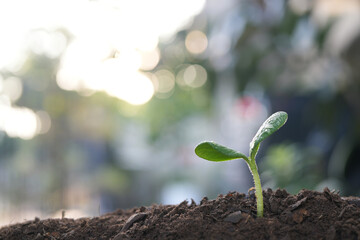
point(234, 217)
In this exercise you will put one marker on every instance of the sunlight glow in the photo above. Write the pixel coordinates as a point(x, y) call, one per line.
point(135, 88)
point(195, 76)
point(12, 87)
point(1, 83)
point(22, 122)
point(164, 81)
point(126, 84)
point(18, 122)
point(50, 44)
point(44, 122)
point(191, 76)
point(128, 31)
point(150, 59)
point(110, 58)
point(196, 42)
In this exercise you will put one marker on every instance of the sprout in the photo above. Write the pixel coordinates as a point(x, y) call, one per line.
point(215, 152)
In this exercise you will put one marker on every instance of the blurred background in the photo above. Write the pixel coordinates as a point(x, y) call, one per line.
point(103, 102)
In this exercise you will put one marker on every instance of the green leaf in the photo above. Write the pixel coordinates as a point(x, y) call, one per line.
point(215, 152)
point(271, 125)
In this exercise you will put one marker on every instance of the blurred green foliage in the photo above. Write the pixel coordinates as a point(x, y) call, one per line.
point(293, 167)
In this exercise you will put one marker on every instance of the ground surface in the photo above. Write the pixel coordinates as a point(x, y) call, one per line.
point(307, 215)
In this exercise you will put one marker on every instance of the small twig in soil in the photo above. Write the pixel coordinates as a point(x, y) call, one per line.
point(132, 219)
point(343, 211)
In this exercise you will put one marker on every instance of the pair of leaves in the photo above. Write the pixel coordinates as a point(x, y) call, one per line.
point(215, 152)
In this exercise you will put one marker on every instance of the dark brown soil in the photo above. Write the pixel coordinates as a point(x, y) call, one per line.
point(307, 215)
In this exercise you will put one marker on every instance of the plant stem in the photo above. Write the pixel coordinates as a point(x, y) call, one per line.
point(258, 189)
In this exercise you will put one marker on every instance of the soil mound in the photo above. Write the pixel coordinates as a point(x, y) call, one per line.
point(307, 215)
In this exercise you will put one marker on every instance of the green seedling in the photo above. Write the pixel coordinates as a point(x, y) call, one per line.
point(215, 152)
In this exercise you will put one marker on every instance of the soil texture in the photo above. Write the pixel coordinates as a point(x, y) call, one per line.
point(307, 215)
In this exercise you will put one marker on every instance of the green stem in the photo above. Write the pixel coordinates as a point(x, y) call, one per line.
point(258, 189)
